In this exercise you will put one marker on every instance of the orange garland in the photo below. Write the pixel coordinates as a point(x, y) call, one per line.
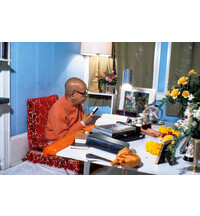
point(66, 141)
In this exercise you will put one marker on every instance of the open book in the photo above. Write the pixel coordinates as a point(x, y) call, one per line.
point(111, 119)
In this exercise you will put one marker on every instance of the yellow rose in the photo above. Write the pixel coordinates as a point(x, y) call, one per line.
point(168, 93)
point(175, 93)
point(192, 72)
point(185, 94)
point(167, 138)
point(182, 81)
point(176, 133)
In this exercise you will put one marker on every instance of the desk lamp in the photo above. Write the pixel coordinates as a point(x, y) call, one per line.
point(127, 80)
point(96, 49)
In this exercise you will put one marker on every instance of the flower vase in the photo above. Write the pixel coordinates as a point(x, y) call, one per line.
point(189, 153)
point(109, 89)
point(194, 167)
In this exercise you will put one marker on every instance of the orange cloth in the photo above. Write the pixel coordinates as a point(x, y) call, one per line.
point(127, 158)
point(151, 132)
point(63, 119)
point(66, 141)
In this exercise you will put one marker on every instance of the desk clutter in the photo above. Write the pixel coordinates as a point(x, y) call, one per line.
point(124, 156)
point(113, 133)
point(107, 145)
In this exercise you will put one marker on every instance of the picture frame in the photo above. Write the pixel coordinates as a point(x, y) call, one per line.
point(164, 154)
point(185, 144)
point(136, 99)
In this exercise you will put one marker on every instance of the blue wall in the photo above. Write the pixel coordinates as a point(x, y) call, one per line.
point(37, 70)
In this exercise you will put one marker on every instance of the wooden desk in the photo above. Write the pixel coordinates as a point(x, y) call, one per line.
point(148, 161)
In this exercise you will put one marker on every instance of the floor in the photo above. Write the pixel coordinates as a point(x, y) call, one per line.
point(29, 168)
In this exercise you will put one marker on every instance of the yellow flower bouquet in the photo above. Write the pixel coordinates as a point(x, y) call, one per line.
point(186, 90)
point(187, 94)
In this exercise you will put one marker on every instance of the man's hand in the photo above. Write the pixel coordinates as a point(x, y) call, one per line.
point(87, 118)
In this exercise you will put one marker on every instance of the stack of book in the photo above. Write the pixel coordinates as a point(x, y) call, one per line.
point(80, 141)
point(116, 130)
point(105, 143)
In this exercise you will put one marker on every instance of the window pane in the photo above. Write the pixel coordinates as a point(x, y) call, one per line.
point(184, 57)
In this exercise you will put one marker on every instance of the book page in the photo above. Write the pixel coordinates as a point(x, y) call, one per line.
point(110, 119)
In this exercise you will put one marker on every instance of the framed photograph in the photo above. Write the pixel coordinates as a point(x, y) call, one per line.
point(136, 99)
point(185, 144)
point(164, 154)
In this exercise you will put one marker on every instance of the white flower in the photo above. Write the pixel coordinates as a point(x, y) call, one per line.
point(190, 97)
point(177, 124)
point(188, 112)
point(196, 114)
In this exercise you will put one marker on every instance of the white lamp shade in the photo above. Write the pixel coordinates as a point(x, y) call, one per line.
point(94, 48)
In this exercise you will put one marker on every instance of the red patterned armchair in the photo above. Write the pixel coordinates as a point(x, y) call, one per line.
point(37, 113)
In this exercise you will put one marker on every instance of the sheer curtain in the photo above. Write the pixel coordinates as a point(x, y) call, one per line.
point(139, 57)
point(105, 65)
point(184, 57)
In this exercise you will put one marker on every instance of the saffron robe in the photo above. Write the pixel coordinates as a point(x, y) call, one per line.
point(63, 119)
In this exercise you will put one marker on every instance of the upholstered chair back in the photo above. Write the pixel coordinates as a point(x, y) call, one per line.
point(37, 114)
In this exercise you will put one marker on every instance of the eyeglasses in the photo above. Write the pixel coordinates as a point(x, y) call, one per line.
point(82, 93)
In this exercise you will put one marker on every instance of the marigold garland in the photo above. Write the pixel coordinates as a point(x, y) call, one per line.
point(167, 133)
point(153, 147)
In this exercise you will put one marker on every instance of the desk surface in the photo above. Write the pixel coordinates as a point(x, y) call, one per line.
point(148, 160)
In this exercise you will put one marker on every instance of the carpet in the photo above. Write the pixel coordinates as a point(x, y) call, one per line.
point(29, 168)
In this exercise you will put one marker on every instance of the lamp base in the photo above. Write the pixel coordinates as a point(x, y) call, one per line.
point(95, 86)
point(196, 145)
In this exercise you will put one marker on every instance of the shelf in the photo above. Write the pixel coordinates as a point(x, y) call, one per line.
point(5, 60)
point(103, 94)
point(111, 100)
point(4, 100)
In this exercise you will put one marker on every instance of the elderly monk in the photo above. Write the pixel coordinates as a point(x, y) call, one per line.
point(66, 115)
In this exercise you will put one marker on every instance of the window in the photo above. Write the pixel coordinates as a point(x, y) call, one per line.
point(4, 50)
point(139, 57)
point(184, 57)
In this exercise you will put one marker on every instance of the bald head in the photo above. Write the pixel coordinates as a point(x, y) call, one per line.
point(73, 84)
